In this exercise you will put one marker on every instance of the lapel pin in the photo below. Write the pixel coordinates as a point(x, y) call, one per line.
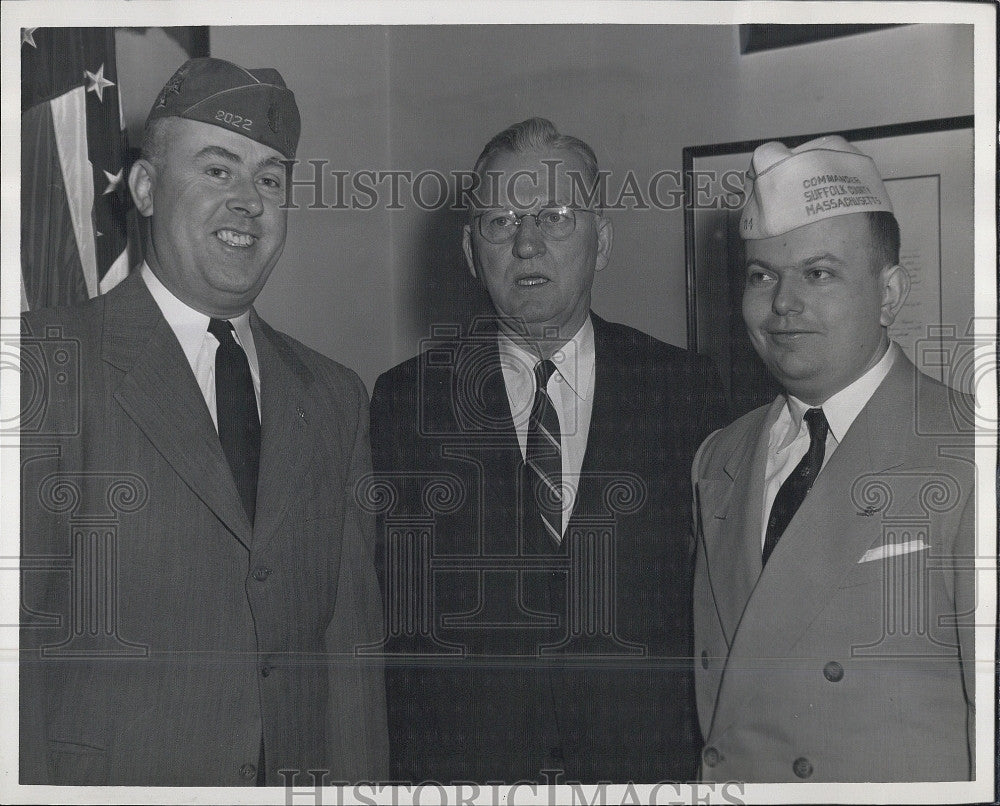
point(867, 512)
point(302, 414)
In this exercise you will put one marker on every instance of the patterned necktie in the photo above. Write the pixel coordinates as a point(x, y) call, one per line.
point(543, 459)
point(795, 487)
point(236, 406)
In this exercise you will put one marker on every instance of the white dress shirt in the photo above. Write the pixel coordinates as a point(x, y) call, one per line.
point(789, 437)
point(199, 346)
point(571, 389)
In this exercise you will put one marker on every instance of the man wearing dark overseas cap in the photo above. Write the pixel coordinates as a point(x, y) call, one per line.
point(197, 573)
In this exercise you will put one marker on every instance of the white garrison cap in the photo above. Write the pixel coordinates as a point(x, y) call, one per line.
point(826, 177)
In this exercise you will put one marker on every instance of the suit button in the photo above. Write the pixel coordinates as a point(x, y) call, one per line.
point(704, 659)
point(261, 572)
point(266, 669)
point(802, 768)
point(248, 771)
point(711, 756)
point(833, 672)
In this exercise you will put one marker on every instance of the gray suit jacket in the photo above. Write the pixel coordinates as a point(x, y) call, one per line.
point(163, 634)
point(845, 659)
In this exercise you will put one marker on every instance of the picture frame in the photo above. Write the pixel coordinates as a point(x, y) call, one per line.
point(757, 37)
point(928, 170)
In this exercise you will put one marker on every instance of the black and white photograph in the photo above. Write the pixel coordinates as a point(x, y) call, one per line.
point(501, 402)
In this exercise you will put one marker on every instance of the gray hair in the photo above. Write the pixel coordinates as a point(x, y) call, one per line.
point(535, 133)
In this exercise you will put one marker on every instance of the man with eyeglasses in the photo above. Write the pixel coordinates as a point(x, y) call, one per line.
point(537, 569)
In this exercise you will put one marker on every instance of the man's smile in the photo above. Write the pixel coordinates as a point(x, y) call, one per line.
point(236, 239)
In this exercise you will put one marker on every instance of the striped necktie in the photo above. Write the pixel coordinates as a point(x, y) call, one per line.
point(543, 460)
point(793, 491)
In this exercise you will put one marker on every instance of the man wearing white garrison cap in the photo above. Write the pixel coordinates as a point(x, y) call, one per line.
point(833, 587)
point(199, 571)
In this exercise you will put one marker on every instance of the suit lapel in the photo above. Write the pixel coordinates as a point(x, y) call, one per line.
point(509, 462)
point(731, 521)
point(828, 535)
point(159, 393)
point(493, 405)
point(603, 439)
point(288, 418)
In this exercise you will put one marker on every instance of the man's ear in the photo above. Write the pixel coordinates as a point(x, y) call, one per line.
point(141, 180)
point(894, 283)
point(605, 237)
point(467, 249)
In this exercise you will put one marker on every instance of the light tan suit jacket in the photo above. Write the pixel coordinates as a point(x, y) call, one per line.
point(849, 657)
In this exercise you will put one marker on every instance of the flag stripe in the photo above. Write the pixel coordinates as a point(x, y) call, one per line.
point(70, 125)
point(75, 217)
point(117, 273)
point(50, 262)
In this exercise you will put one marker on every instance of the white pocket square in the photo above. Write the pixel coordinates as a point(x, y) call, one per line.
point(893, 550)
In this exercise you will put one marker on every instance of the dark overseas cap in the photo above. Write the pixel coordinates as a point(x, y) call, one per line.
point(254, 103)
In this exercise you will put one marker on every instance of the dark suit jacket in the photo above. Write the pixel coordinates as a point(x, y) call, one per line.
point(504, 659)
point(162, 632)
point(849, 657)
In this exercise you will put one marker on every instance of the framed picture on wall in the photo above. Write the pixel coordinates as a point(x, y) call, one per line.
point(756, 37)
point(928, 171)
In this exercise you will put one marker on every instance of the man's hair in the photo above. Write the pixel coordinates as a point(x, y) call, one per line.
point(154, 140)
point(885, 239)
point(536, 133)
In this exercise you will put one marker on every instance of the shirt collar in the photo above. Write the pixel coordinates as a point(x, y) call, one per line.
point(574, 361)
point(843, 408)
point(190, 326)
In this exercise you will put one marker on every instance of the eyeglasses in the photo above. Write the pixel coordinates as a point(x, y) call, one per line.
point(555, 223)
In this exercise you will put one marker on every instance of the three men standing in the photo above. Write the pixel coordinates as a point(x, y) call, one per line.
point(198, 569)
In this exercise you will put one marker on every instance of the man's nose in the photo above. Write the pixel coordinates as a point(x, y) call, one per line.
point(528, 240)
point(787, 298)
point(245, 199)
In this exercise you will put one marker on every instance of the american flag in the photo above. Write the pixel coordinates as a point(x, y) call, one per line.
point(74, 194)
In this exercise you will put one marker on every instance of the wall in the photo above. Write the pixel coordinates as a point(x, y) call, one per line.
point(147, 57)
point(364, 287)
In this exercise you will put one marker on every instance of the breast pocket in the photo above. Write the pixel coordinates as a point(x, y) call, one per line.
point(891, 571)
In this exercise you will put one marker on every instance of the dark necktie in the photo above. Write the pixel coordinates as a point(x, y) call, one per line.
point(543, 460)
point(236, 406)
point(793, 491)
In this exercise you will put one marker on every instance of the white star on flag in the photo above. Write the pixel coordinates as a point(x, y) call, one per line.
point(113, 181)
point(98, 83)
point(28, 35)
